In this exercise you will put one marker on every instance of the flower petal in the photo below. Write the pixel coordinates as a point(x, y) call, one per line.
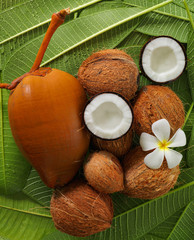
point(154, 159)
point(178, 140)
point(173, 158)
point(148, 142)
point(161, 129)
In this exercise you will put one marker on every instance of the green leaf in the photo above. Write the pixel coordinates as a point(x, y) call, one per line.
point(10, 3)
point(190, 63)
point(102, 6)
point(169, 10)
point(22, 218)
point(163, 230)
point(157, 24)
point(37, 190)
point(189, 2)
point(26, 17)
point(184, 227)
point(186, 176)
point(182, 89)
point(139, 221)
point(190, 151)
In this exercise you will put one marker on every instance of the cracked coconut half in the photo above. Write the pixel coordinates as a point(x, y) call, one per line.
point(163, 59)
point(108, 116)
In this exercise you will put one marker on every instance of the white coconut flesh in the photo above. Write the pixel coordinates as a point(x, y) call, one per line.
point(108, 116)
point(163, 59)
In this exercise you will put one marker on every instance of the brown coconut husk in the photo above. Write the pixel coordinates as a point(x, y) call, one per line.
point(103, 172)
point(109, 70)
point(143, 182)
point(79, 210)
point(118, 147)
point(154, 103)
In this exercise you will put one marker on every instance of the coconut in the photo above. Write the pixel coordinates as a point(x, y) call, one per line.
point(103, 172)
point(118, 147)
point(143, 182)
point(163, 59)
point(154, 103)
point(79, 210)
point(110, 70)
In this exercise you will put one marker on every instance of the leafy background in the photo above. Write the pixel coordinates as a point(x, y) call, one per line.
point(91, 26)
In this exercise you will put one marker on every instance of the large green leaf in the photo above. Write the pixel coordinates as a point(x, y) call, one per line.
point(157, 24)
point(169, 10)
point(10, 3)
point(22, 218)
point(189, 2)
point(37, 190)
point(184, 227)
point(26, 17)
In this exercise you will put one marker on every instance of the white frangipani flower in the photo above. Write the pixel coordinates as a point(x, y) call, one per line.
point(161, 143)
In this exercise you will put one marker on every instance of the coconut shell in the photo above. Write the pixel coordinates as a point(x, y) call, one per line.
point(154, 103)
point(118, 147)
point(103, 172)
point(110, 70)
point(143, 182)
point(79, 210)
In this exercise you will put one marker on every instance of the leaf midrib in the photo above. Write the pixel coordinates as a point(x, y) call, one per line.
point(25, 211)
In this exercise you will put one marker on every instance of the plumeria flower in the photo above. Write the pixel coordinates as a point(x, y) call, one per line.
point(161, 143)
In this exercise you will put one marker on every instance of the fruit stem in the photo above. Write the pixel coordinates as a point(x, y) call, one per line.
point(4, 85)
point(56, 20)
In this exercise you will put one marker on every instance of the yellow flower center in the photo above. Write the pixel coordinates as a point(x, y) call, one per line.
point(163, 145)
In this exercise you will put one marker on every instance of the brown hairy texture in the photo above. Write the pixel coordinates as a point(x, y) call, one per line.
point(79, 210)
point(143, 182)
point(154, 103)
point(118, 147)
point(110, 70)
point(103, 171)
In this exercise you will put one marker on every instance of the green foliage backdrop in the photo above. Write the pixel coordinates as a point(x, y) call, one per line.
point(91, 26)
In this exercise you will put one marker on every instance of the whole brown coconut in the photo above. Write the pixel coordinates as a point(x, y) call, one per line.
point(154, 103)
point(79, 210)
point(103, 172)
point(118, 147)
point(143, 182)
point(110, 70)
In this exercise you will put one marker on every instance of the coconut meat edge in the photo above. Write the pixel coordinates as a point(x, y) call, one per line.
point(163, 59)
point(108, 116)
